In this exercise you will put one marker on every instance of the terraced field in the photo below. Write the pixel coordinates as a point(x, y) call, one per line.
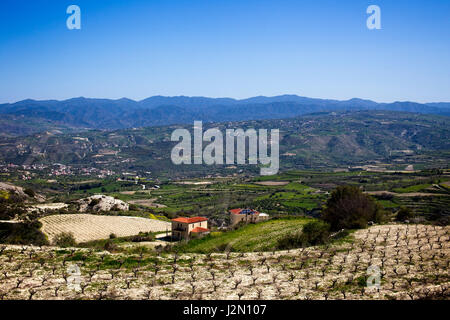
point(427, 206)
point(88, 227)
point(250, 238)
point(412, 261)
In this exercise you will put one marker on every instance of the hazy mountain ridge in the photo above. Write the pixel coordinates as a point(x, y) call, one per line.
point(322, 140)
point(31, 116)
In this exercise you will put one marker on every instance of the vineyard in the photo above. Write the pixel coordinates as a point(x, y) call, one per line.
point(413, 261)
point(88, 227)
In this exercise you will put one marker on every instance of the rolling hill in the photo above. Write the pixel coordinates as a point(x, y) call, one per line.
point(31, 116)
point(320, 140)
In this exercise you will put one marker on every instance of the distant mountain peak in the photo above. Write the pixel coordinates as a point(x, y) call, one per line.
point(95, 113)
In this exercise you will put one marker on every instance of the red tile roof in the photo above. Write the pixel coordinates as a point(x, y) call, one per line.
point(190, 220)
point(199, 230)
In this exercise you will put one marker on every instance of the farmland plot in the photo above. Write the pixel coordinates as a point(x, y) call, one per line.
point(88, 227)
point(413, 261)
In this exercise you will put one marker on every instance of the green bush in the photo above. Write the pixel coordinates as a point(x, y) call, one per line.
point(26, 233)
point(313, 233)
point(349, 208)
point(64, 239)
point(384, 196)
point(10, 211)
point(404, 213)
point(143, 236)
point(29, 192)
point(224, 247)
point(110, 246)
point(133, 207)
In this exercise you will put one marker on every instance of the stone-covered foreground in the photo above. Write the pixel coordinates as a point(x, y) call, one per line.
point(413, 259)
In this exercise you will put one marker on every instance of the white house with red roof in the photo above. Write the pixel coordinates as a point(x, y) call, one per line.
point(187, 228)
point(246, 216)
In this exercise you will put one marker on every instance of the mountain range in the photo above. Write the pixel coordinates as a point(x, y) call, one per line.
point(32, 116)
point(323, 140)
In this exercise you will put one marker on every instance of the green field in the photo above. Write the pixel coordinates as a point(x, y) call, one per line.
point(414, 188)
point(253, 237)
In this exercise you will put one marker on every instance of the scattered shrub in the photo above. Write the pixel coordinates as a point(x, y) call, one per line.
point(223, 247)
point(110, 246)
point(384, 196)
point(404, 213)
point(112, 236)
point(133, 207)
point(64, 239)
point(4, 195)
point(313, 233)
point(29, 192)
point(27, 233)
point(340, 234)
point(94, 202)
point(350, 208)
point(143, 236)
point(10, 211)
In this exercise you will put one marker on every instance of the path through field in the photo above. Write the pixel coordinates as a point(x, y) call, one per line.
point(408, 194)
point(147, 203)
point(87, 227)
point(272, 183)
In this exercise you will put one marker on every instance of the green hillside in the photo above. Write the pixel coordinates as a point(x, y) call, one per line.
point(253, 237)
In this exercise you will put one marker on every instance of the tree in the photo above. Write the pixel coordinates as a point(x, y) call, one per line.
point(349, 208)
point(404, 213)
point(64, 239)
point(29, 192)
point(313, 233)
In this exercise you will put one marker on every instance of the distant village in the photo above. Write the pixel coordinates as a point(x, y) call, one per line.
point(28, 172)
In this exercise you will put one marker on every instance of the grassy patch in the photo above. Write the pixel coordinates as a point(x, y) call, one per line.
point(388, 204)
point(101, 244)
point(414, 188)
point(253, 237)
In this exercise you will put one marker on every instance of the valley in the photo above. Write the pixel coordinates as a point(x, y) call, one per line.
point(103, 201)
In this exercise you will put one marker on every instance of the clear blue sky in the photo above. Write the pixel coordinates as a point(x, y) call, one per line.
point(232, 48)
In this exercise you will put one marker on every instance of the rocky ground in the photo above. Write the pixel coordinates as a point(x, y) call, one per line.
point(413, 261)
point(102, 203)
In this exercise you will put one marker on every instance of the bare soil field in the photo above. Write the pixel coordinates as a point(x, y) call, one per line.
point(195, 182)
point(413, 262)
point(128, 192)
point(87, 227)
point(147, 203)
point(272, 183)
point(409, 194)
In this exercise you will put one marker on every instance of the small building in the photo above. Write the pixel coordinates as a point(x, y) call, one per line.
point(188, 228)
point(246, 216)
